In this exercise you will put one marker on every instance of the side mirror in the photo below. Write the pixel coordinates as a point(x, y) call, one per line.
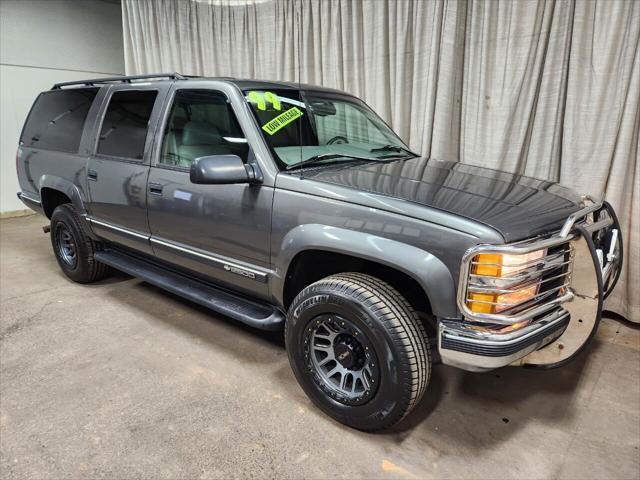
point(221, 170)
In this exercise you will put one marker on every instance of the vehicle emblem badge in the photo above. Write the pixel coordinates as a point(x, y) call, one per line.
point(240, 271)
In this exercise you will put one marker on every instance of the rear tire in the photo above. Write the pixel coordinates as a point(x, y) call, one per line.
point(73, 247)
point(358, 350)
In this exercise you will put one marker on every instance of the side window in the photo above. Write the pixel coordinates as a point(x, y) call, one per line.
point(125, 124)
point(201, 123)
point(57, 119)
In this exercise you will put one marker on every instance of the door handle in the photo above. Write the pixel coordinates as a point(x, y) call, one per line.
point(155, 188)
point(92, 175)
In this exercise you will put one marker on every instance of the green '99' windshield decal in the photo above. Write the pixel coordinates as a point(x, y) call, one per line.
point(261, 99)
point(282, 120)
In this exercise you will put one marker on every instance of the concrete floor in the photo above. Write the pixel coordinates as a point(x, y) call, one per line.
point(121, 380)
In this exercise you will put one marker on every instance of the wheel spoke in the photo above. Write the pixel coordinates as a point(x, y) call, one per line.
point(325, 360)
point(334, 370)
point(332, 327)
point(343, 380)
point(364, 380)
point(330, 335)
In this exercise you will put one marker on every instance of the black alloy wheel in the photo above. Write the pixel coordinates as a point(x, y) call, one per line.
point(341, 359)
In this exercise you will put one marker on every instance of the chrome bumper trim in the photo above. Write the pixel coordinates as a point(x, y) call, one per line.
point(463, 347)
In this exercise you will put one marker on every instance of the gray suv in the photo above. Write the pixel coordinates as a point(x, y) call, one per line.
point(295, 207)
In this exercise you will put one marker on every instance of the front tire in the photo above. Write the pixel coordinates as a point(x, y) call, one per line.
point(358, 349)
point(73, 247)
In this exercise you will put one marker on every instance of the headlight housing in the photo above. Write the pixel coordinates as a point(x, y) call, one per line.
point(504, 281)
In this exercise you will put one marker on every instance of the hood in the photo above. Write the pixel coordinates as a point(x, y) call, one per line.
point(516, 206)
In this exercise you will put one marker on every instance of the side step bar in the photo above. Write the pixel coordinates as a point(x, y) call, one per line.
point(256, 314)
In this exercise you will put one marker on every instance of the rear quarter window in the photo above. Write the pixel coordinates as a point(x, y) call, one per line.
point(57, 119)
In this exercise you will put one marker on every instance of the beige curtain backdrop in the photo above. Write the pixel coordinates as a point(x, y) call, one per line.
point(543, 88)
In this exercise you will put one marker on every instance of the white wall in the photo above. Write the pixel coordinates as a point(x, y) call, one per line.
point(43, 42)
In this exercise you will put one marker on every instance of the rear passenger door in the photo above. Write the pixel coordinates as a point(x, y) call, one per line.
point(118, 169)
point(217, 231)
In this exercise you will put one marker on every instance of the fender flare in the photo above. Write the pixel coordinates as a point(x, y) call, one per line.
point(431, 274)
point(65, 186)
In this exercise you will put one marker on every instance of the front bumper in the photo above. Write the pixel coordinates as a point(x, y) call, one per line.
point(463, 347)
point(568, 321)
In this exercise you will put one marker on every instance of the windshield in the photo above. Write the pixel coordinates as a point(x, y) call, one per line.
point(302, 125)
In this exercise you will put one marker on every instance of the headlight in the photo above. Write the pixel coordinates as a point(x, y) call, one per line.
point(497, 267)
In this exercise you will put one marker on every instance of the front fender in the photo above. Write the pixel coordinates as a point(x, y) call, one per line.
point(434, 277)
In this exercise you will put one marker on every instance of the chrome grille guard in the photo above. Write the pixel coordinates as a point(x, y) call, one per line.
point(552, 272)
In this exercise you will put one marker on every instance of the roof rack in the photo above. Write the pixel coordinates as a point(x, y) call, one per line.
point(123, 79)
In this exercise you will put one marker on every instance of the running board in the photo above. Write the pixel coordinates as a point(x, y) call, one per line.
point(256, 314)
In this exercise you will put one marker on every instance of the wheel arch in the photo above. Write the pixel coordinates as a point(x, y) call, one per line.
point(319, 250)
point(55, 191)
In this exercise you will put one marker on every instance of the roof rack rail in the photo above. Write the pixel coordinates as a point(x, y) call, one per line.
point(123, 79)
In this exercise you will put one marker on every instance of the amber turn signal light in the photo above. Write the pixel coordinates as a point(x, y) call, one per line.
point(501, 266)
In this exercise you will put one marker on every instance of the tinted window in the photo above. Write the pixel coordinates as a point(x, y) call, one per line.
point(201, 123)
point(125, 124)
point(57, 119)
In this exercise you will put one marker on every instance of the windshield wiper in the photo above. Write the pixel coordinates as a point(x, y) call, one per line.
point(329, 156)
point(394, 148)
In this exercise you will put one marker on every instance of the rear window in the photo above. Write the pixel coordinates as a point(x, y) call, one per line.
point(57, 119)
point(125, 124)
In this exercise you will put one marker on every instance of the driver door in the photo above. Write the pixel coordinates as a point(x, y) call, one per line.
point(220, 232)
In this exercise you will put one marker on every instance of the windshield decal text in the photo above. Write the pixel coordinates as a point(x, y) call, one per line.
point(262, 98)
point(282, 120)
